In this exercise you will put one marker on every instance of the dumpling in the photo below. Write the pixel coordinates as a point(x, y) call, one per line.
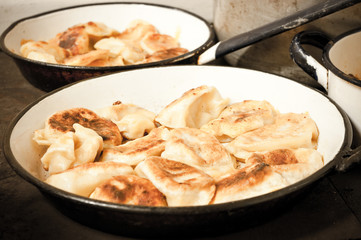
point(193, 109)
point(75, 40)
point(108, 61)
point(132, 121)
point(165, 54)
point(97, 30)
point(72, 149)
point(182, 184)
point(158, 42)
point(129, 189)
point(87, 145)
point(88, 58)
point(247, 182)
point(291, 130)
point(62, 122)
point(42, 57)
point(292, 164)
point(83, 179)
point(239, 118)
point(133, 152)
point(198, 149)
point(129, 53)
point(136, 31)
point(114, 45)
point(60, 155)
point(43, 51)
point(133, 55)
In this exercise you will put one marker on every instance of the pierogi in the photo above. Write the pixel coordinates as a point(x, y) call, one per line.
point(129, 189)
point(95, 44)
point(182, 184)
point(193, 109)
point(200, 149)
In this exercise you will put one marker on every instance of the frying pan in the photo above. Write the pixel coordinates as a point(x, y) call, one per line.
point(153, 88)
point(173, 21)
point(279, 26)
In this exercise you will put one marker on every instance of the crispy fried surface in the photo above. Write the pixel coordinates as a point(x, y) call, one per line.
point(248, 182)
point(133, 152)
point(183, 185)
point(63, 122)
point(129, 189)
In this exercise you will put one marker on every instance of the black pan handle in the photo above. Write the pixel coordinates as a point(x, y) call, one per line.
point(348, 158)
point(269, 30)
point(304, 60)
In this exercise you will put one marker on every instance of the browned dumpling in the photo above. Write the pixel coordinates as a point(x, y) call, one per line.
point(72, 149)
point(98, 30)
point(239, 118)
point(247, 182)
point(133, 121)
point(87, 58)
point(198, 149)
point(83, 179)
point(62, 122)
point(165, 54)
point(183, 185)
point(136, 31)
point(75, 40)
point(129, 189)
point(133, 152)
point(292, 164)
point(290, 130)
point(158, 42)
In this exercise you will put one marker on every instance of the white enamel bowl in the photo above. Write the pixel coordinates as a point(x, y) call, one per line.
point(154, 88)
point(192, 31)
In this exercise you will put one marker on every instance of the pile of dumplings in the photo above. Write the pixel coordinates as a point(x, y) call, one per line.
point(95, 44)
point(198, 150)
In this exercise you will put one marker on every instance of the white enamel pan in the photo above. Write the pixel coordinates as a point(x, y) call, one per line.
point(154, 88)
point(192, 32)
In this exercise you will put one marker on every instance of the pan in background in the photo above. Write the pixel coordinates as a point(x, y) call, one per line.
point(193, 32)
point(153, 88)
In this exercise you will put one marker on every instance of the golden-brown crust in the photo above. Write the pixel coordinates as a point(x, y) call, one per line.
point(158, 42)
point(129, 189)
point(75, 40)
point(198, 149)
point(290, 130)
point(136, 31)
point(63, 122)
point(183, 185)
point(245, 177)
point(90, 58)
point(250, 181)
point(275, 157)
point(83, 179)
point(137, 150)
point(165, 54)
point(239, 118)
